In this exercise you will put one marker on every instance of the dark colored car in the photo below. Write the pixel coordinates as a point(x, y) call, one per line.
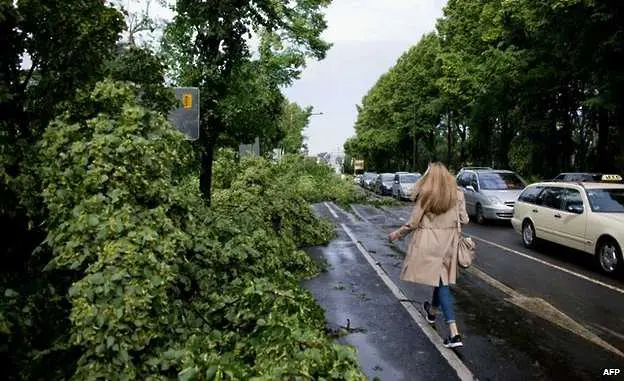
point(368, 178)
point(383, 184)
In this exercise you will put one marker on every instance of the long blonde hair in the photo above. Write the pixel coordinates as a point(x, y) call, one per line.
point(436, 190)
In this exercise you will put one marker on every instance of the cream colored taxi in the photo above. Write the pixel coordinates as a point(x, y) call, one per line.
point(584, 216)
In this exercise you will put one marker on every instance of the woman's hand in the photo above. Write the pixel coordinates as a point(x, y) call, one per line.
point(393, 236)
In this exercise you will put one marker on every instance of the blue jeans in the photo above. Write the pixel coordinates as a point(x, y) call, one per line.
point(442, 299)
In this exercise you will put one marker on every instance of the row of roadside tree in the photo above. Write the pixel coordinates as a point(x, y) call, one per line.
point(534, 86)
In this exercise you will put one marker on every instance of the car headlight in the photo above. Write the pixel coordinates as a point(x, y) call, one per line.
point(494, 200)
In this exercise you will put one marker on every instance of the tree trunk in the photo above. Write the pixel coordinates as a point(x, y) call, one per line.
point(462, 143)
point(413, 150)
point(449, 140)
point(507, 134)
point(208, 141)
point(205, 175)
point(567, 147)
point(602, 148)
point(415, 166)
point(432, 146)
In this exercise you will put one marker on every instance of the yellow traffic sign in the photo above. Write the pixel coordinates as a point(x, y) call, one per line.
point(187, 101)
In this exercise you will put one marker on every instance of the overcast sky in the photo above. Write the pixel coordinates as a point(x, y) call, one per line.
point(368, 37)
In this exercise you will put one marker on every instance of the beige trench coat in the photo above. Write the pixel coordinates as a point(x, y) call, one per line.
point(432, 252)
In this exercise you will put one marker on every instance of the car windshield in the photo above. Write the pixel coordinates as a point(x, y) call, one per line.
point(369, 176)
point(500, 181)
point(387, 177)
point(606, 200)
point(409, 178)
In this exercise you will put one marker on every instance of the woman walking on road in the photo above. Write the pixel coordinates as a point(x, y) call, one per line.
point(432, 254)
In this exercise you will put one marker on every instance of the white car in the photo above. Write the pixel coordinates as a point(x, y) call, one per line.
point(584, 216)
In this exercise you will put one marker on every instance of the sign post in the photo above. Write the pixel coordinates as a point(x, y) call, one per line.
point(186, 117)
point(250, 149)
point(358, 165)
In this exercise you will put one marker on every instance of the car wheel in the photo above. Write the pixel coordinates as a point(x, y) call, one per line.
point(528, 234)
point(480, 218)
point(609, 256)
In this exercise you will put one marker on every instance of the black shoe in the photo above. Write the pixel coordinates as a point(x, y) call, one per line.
point(453, 342)
point(428, 315)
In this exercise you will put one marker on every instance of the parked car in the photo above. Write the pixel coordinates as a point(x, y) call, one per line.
point(587, 177)
point(585, 216)
point(403, 184)
point(383, 184)
point(367, 179)
point(490, 194)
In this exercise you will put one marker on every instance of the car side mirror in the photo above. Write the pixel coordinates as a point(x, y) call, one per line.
point(576, 209)
point(470, 188)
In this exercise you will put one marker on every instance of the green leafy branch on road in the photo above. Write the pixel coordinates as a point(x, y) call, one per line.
point(113, 265)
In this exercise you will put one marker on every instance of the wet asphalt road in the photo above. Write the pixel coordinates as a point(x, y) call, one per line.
point(524, 315)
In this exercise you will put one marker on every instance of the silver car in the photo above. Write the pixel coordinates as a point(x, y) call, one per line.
point(490, 194)
point(403, 184)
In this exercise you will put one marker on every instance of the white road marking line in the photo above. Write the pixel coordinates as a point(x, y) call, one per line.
point(607, 330)
point(545, 310)
point(331, 210)
point(349, 215)
point(453, 360)
point(581, 276)
point(359, 214)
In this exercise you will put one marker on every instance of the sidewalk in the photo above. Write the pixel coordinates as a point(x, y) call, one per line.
point(390, 344)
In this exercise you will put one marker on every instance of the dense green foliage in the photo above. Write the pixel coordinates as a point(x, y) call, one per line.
point(531, 85)
point(66, 46)
point(113, 266)
point(146, 282)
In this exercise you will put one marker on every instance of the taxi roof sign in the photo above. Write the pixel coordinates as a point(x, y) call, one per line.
point(611, 178)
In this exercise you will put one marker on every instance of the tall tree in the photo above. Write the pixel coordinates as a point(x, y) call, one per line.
point(531, 85)
point(208, 46)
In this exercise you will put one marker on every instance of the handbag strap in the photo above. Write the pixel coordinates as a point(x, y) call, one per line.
point(458, 222)
point(457, 210)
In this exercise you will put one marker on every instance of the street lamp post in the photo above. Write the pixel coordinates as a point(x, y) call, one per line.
point(316, 114)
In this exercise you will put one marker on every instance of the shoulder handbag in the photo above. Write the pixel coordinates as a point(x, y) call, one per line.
point(465, 248)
